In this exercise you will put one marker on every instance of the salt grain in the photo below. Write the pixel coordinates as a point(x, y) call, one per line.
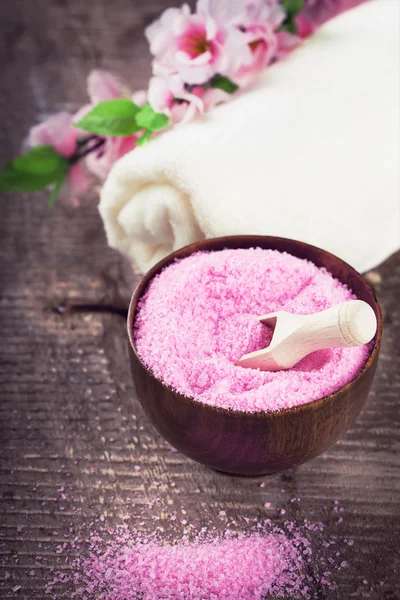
point(133, 567)
point(199, 316)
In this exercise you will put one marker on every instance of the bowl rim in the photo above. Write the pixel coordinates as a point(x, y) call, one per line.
point(202, 246)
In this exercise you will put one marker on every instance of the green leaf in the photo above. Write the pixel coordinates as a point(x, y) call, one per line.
point(35, 170)
point(112, 117)
point(12, 180)
point(144, 138)
point(147, 118)
point(40, 160)
point(289, 25)
point(293, 7)
point(223, 83)
point(55, 190)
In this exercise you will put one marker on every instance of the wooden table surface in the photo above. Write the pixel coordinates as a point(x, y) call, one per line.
point(69, 416)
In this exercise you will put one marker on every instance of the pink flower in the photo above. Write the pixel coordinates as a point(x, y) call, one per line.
point(102, 86)
point(263, 44)
point(100, 163)
point(58, 131)
point(305, 26)
point(214, 96)
point(168, 95)
point(197, 46)
point(264, 11)
point(140, 97)
point(287, 42)
point(263, 17)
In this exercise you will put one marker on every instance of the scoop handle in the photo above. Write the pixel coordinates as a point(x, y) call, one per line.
point(350, 323)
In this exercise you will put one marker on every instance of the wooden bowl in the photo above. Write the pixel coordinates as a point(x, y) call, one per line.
point(246, 443)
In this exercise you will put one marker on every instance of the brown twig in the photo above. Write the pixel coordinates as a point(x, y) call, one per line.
point(68, 309)
point(79, 154)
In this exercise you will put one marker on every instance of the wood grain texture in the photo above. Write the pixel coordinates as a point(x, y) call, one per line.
point(68, 414)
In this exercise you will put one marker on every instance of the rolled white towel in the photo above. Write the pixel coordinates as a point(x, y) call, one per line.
point(310, 152)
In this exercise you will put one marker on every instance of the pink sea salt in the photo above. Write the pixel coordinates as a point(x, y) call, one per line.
point(263, 564)
point(198, 316)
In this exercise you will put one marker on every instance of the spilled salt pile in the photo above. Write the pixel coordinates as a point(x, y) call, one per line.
point(108, 562)
point(199, 316)
point(123, 563)
point(241, 568)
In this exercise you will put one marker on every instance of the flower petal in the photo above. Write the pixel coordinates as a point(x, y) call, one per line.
point(100, 163)
point(202, 59)
point(58, 131)
point(139, 97)
point(196, 75)
point(159, 95)
point(77, 182)
point(102, 85)
point(160, 33)
point(215, 96)
point(287, 42)
point(225, 13)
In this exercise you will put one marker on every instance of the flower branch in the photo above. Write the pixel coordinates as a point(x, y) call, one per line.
point(200, 59)
point(83, 149)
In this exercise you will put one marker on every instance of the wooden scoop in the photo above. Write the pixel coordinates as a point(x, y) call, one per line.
point(351, 323)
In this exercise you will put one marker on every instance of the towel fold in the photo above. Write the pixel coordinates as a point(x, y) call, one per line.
point(310, 152)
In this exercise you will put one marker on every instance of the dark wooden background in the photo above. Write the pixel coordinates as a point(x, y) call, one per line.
point(69, 417)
